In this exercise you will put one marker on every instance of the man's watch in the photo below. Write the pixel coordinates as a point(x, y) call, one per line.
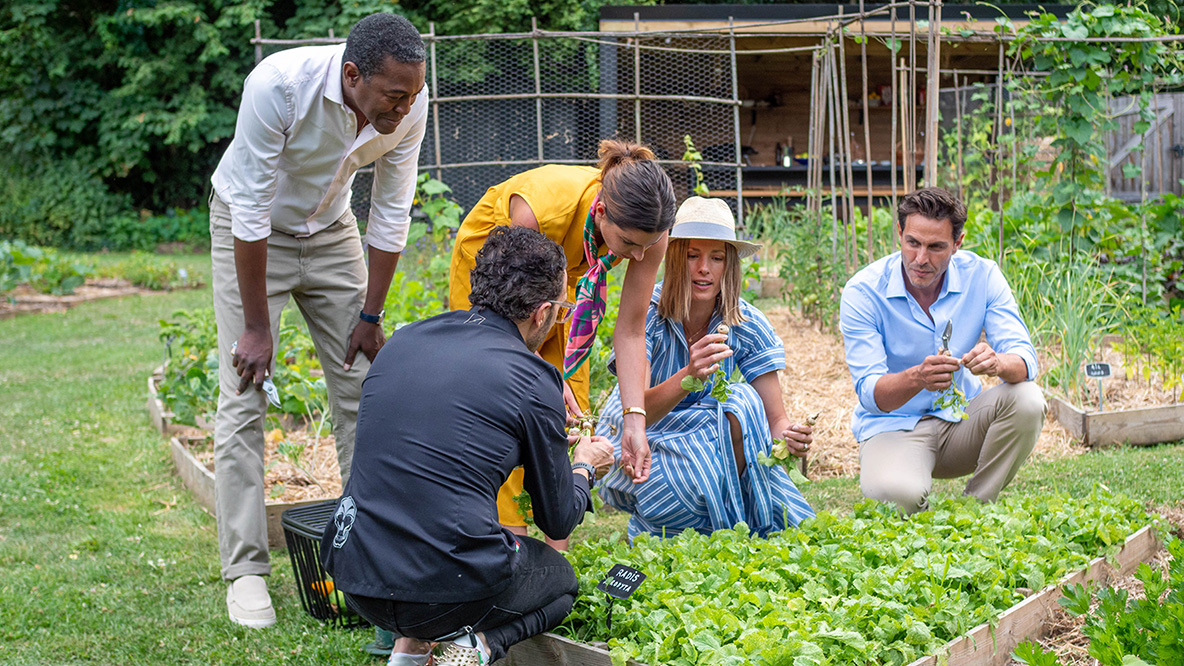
point(587, 468)
point(372, 319)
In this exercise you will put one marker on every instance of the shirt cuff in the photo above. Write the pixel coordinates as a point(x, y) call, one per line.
point(248, 225)
point(1030, 361)
point(867, 394)
point(386, 236)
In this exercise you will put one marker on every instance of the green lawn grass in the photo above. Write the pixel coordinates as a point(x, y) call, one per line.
point(105, 558)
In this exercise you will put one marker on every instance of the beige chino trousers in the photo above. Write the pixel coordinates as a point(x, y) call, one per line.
point(326, 275)
point(991, 445)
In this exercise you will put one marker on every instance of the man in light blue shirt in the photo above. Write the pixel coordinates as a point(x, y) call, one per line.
point(911, 423)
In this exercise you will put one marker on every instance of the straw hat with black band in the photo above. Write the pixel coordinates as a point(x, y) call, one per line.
point(709, 219)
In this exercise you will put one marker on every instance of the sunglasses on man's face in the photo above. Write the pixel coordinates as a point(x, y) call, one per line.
point(563, 310)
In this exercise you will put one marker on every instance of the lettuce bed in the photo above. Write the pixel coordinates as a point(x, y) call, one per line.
point(871, 588)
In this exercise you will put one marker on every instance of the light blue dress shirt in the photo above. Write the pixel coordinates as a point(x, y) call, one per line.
point(886, 331)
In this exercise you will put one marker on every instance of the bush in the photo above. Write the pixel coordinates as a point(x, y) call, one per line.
point(61, 205)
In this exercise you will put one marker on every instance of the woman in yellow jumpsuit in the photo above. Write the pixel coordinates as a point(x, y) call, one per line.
point(620, 209)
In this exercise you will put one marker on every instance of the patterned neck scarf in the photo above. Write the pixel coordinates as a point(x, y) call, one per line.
point(591, 298)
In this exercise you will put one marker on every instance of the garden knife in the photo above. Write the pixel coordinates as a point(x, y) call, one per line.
point(945, 338)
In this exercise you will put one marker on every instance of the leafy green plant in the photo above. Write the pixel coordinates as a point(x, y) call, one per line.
point(50, 273)
point(1083, 76)
point(693, 157)
point(189, 386)
point(1124, 631)
point(600, 379)
point(874, 587)
point(150, 272)
point(17, 260)
point(955, 399)
point(1154, 344)
point(813, 272)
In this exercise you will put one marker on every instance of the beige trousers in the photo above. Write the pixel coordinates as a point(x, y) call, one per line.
point(991, 445)
point(326, 275)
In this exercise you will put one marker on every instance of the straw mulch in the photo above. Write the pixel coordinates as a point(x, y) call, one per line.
point(285, 482)
point(816, 380)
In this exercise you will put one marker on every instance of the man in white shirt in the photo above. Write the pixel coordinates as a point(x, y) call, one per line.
point(280, 227)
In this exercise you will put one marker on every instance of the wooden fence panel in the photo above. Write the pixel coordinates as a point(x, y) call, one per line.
point(1162, 167)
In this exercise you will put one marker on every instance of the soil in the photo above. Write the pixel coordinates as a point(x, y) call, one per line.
point(24, 300)
point(815, 380)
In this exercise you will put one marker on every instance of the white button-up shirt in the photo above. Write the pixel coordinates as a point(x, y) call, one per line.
point(296, 149)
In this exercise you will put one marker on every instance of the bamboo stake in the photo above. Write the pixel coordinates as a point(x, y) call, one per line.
point(932, 86)
point(867, 132)
point(1143, 217)
point(848, 170)
point(911, 175)
point(820, 128)
point(995, 162)
point(895, 102)
point(1015, 166)
point(811, 194)
point(958, 128)
point(1158, 143)
point(906, 157)
point(831, 114)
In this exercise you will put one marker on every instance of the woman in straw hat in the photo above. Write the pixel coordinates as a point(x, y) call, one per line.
point(703, 473)
point(620, 209)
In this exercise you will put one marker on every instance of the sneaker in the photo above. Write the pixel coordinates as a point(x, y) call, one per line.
point(248, 603)
point(464, 651)
point(404, 659)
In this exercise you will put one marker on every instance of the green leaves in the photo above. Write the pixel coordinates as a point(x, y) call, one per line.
point(873, 587)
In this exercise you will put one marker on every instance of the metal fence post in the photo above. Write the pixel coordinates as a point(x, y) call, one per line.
point(538, 84)
point(435, 96)
point(637, 76)
point(258, 43)
point(736, 125)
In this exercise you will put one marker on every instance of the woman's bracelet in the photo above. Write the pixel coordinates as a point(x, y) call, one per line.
point(633, 410)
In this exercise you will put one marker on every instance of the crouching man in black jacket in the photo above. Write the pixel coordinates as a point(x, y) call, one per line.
point(450, 406)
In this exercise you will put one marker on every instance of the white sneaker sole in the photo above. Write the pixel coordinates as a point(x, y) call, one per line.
point(251, 623)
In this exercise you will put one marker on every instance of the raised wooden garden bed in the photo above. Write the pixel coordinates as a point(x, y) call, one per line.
point(200, 481)
point(196, 475)
point(981, 646)
point(1142, 426)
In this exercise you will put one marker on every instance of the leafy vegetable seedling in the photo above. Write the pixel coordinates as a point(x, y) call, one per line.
point(721, 388)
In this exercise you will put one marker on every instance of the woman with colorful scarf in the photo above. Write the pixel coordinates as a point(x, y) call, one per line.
point(620, 209)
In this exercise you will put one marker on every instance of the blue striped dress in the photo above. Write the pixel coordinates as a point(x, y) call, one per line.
point(693, 482)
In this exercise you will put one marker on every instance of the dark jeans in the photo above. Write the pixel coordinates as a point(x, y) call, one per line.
point(542, 589)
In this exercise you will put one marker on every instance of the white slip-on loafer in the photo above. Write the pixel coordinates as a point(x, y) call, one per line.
point(248, 603)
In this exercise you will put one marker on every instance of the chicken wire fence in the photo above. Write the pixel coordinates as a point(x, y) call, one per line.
point(502, 104)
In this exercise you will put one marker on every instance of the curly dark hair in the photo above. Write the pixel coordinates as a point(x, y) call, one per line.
point(379, 36)
point(516, 270)
point(934, 203)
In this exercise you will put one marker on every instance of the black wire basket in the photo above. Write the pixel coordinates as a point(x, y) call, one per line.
point(303, 527)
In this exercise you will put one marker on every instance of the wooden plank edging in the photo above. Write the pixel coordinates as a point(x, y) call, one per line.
point(200, 482)
point(980, 646)
point(1139, 427)
point(983, 646)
